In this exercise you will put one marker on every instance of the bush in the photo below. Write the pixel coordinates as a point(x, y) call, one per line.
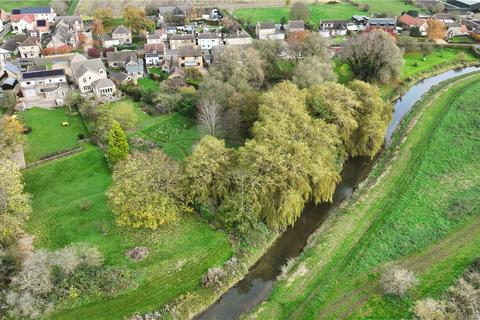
point(430, 309)
point(213, 278)
point(397, 281)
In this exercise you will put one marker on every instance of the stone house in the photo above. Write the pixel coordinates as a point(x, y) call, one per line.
point(49, 84)
point(86, 72)
point(265, 30)
point(30, 48)
point(122, 34)
point(179, 40)
point(190, 57)
point(207, 41)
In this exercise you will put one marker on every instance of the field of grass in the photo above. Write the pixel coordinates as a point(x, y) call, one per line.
point(174, 133)
point(393, 7)
point(461, 39)
point(415, 63)
point(8, 5)
point(317, 13)
point(127, 106)
point(48, 135)
point(179, 253)
point(419, 208)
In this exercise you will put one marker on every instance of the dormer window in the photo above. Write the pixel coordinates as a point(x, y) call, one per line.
point(101, 71)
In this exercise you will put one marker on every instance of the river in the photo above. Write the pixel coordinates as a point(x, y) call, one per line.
point(257, 284)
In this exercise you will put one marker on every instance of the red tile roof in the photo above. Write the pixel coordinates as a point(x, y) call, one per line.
point(29, 18)
point(411, 21)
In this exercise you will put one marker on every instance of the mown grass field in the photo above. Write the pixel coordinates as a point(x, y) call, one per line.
point(179, 253)
point(8, 5)
point(422, 213)
point(147, 83)
point(48, 135)
point(394, 7)
point(317, 13)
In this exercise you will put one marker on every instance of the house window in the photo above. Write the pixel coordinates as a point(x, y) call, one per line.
point(84, 80)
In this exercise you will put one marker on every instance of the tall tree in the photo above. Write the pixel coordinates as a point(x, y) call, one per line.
point(8, 102)
point(291, 158)
point(336, 104)
point(11, 135)
point(147, 190)
point(206, 172)
point(104, 14)
point(435, 29)
point(373, 56)
point(14, 202)
point(372, 116)
point(314, 45)
point(313, 71)
point(117, 144)
point(299, 11)
point(136, 19)
point(209, 113)
point(98, 28)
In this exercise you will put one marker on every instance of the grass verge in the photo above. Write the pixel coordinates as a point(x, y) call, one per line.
point(424, 191)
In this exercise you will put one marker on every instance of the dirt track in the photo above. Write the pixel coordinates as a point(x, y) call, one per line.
point(86, 7)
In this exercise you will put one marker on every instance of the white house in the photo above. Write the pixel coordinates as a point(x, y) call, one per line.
point(86, 72)
point(50, 84)
point(23, 22)
point(40, 13)
point(207, 41)
point(333, 28)
point(30, 48)
point(265, 30)
point(122, 34)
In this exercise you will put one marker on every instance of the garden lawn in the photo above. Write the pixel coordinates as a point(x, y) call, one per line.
point(179, 253)
point(462, 39)
point(317, 13)
point(48, 136)
point(148, 83)
point(438, 57)
point(8, 5)
point(174, 133)
point(423, 213)
point(127, 105)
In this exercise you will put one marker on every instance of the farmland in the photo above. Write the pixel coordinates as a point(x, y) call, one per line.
point(424, 203)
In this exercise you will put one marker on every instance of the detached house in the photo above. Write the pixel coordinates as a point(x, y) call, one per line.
point(30, 48)
point(120, 36)
point(128, 60)
point(154, 53)
point(265, 30)
point(333, 28)
point(410, 22)
point(23, 22)
point(48, 84)
point(179, 40)
point(190, 57)
point(207, 41)
point(455, 29)
point(86, 72)
point(295, 26)
point(39, 13)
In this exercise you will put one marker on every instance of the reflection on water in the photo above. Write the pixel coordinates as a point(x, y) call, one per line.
point(257, 284)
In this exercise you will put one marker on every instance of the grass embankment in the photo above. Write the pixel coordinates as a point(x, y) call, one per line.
point(48, 135)
point(179, 254)
point(418, 207)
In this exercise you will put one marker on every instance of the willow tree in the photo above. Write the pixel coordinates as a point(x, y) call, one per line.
point(206, 172)
point(292, 157)
point(338, 105)
point(373, 56)
point(147, 190)
point(373, 117)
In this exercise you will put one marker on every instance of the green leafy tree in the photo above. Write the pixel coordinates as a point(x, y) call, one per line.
point(372, 116)
point(105, 15)
point(338, 105)
point(373, 57)
point(147, 190)
point(8, 102)
point(14, 202)
point(11, 135)
point(292, 157)
point(73, 100)
point(206, 172)
point(117, 144)
point(313, 71)
point(136, 19)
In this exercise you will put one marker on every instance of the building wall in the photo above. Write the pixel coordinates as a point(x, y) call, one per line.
point(84, 83)
point(29, 52)
point(208, 43)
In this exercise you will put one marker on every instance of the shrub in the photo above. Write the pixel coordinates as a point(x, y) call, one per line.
point(213, 278)
point(397, 281)
point(430, 309)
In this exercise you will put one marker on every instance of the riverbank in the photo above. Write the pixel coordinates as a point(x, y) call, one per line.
point(404, 207)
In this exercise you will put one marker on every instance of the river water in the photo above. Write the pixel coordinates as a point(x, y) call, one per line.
point(257, 284)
